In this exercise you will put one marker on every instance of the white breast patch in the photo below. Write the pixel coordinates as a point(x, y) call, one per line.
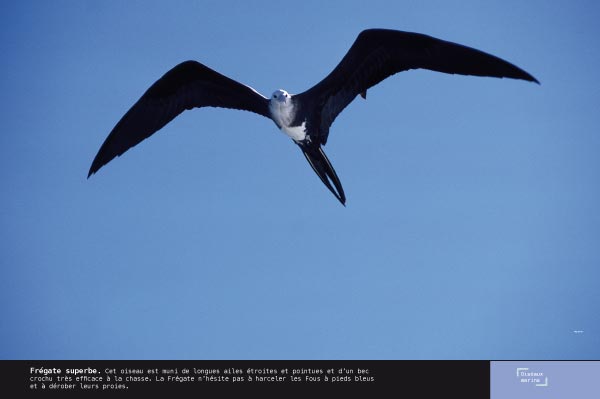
point(297, 133)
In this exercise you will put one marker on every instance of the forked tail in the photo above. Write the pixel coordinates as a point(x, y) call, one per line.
point(318, 161)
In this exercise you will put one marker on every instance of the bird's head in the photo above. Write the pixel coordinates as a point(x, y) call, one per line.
point(281, 97)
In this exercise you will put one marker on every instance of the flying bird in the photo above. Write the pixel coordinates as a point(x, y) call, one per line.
point(306, 117)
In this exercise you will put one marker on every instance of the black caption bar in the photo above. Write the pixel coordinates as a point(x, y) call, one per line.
point(41, 378)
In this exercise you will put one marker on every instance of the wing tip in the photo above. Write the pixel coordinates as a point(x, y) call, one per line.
point(534, 80)
point(97, 164)
point(92, 171)
point(527, 76)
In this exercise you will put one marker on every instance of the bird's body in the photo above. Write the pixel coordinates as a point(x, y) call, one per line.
point(283, 113)
point(306, 117)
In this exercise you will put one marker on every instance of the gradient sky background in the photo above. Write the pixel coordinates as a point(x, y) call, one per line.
point(472, 225)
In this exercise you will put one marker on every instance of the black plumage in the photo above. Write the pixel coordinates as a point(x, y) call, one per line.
point(375, 55)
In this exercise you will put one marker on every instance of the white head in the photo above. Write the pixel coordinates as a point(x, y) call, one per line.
point(281, 96)
point(282, 108)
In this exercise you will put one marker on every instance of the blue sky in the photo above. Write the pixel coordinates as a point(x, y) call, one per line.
point(472, 224)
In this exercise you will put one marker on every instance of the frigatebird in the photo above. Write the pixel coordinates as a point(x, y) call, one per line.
point(306, 117)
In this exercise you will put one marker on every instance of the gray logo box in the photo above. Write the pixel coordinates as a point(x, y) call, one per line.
point(544, 379)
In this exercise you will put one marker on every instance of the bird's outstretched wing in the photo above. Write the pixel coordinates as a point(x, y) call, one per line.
point(186, 86)
point(379, 53)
